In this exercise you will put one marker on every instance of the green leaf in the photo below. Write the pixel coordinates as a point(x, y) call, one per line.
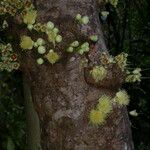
point(10, 144)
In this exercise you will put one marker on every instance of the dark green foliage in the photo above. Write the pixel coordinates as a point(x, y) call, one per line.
point(12, 115)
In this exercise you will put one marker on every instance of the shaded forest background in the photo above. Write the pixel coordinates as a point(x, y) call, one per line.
point(127, 28)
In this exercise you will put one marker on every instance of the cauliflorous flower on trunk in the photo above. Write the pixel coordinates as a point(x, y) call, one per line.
point(30, 17)
point(52, 57)
point(98, 73)
point(97, 117)
point(26, 42)
point(122, 98)
point(104, 104)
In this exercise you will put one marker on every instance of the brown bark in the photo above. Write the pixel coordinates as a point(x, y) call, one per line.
point(62, 97)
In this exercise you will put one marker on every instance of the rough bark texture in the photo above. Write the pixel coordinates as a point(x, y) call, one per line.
point(62, 97)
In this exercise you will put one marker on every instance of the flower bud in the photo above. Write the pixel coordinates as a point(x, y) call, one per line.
point(50, 25)
point(85, 20)
point(40, 61)
point(58, 38)
point(41, 50)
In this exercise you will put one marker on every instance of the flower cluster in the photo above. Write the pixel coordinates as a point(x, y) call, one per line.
point(12, 7)
point(80, 49)
point(98, 73)
point(52, 56)
point(106, 59)
point(82, 19)
point(52, 33)
point(8, 59)
point(26, 42)
point(134, 76)
point(122, 98)
point(104, 107)
point(29, 17)
point(94, 38)
point(50, 30)
point(120, 60)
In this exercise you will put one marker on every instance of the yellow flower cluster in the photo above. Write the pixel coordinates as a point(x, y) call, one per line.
point(106, 59)
point(51, 31)
point(26, 43)
point(96, 117)
point(104, 104)
point(104, 107)
point(99, 115)
point(52, 57)
point(30, 17)
point(134, 76)
point(10, 6)
point(122, 98)
point(98, 73)
point(120, 60)
point(80, 49)
point(82, 19)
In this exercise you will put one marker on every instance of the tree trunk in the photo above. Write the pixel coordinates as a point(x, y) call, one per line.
point(62, 96)
point(33, 126)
